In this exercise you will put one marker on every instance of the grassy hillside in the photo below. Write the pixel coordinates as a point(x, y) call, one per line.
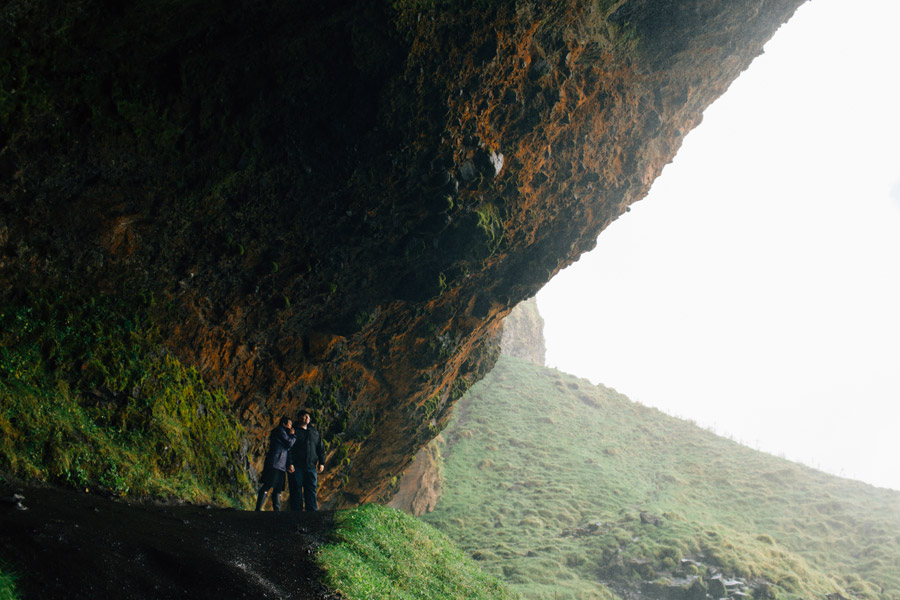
point(381, 553)
point(559, 487)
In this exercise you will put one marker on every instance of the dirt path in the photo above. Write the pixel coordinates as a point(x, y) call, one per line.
point(74, 545)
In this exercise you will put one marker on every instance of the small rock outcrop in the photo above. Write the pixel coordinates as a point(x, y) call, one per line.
point(695, 587)
point(419, 489)
point(523, 333)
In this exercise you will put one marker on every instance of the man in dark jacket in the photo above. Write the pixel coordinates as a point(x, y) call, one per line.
point(280, 441)
point(305, 460)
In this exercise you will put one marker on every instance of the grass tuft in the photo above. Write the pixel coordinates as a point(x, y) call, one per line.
point(379, 552)
point(8, 589)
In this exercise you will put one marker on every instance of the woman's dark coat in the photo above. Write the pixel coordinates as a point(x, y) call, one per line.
point(280, 442)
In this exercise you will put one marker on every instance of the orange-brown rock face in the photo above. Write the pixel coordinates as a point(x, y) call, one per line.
point(334, 204)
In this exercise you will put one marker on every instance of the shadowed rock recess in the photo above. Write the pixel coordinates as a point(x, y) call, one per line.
point(333, 204)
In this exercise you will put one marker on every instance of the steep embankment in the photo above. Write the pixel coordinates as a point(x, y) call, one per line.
point(332, 204)
point(560, 486)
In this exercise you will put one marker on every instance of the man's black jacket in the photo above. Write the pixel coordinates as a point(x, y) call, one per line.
point(307, 449)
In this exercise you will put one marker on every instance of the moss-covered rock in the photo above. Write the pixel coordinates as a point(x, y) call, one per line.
point(90, 398)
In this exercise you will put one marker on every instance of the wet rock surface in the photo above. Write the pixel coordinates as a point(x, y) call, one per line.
point(681, 583)
point(681, 586)
point(692, 578)
point(66, 544)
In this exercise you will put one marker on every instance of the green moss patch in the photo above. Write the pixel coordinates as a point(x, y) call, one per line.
point(90, 398)
point(379, 552)
point(8, 589)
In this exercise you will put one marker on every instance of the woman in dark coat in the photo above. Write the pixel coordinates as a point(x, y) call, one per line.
point(280, 441)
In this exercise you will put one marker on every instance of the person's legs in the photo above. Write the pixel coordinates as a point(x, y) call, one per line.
point(270, 481)
point(277, 488)
point(261, 496)
point(310, 484)
point(265, 484)
point(295, 483)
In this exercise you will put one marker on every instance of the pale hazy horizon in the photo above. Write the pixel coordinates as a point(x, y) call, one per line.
point(756, 290)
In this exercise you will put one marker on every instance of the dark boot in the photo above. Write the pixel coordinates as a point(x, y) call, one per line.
point(276, 501)
point(260, 498)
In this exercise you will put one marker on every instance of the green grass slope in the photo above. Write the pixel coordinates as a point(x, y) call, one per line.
point(381, 553)
point(569, 490)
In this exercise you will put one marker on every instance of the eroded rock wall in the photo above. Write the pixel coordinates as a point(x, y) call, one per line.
point(523, 333)
point(418, 490)
point(332, 205)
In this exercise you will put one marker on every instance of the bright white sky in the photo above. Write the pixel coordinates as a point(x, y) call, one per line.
point(756, 290)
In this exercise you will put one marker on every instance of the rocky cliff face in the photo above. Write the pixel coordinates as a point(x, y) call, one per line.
point(523, 333)
point(332, 205)
point(419, 488)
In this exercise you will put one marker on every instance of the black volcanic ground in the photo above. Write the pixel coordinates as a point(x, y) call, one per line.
point(74, 545)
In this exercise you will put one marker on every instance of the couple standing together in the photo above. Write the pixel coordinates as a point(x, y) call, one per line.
point(301, 455)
